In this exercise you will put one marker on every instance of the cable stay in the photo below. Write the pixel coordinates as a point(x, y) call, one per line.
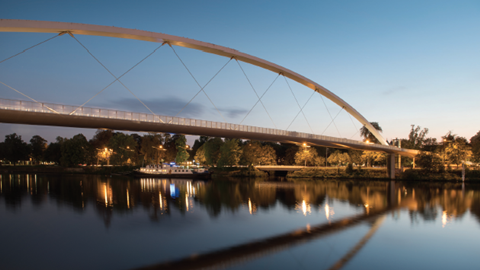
point(255, 92)
point(301, 109)
point(201, 88)
point(28, 97)
point(357, 130)
point(330, 116)
point(48, 39)
point(116, 78)
point(333, 121)
point(260, 100)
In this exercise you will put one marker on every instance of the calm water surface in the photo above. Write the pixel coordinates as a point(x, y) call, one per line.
point(95, 222)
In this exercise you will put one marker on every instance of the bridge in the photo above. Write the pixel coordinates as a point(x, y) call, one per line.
point(39, 113)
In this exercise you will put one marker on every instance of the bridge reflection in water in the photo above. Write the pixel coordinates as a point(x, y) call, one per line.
point(374, 199)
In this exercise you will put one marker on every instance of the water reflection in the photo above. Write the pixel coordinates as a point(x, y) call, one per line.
point(428, 202)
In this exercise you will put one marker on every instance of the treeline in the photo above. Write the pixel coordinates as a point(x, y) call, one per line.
point(116, 148)
point(106, 147)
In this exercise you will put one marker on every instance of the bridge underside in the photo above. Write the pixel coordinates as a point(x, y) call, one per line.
point(49, 119)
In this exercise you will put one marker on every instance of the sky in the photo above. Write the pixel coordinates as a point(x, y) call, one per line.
point(398, 63)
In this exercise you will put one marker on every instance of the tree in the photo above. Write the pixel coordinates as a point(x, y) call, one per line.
point(124, 149)
point(338, 158)
point(416, 138)
point(308, 156)
point(74, 151)
point(53, 153)
point(170, 147)
point(367, 135)
point(475, 143)
point(230, 153)
point(212, 150)
point(181, 146)
point(373, 158)
point(355, 156)
point(257, 154)
point(15, 148)
point(38, 146)
point(458, 150)
point(151, 148)
point(200, 155)
point(197, 144)
point(429, 161)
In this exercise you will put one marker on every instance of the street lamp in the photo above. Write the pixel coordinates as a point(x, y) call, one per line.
point(304, 151)
point(160, 148)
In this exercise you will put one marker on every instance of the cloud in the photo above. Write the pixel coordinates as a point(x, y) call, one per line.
point(164, 106)
point(393, 90)
point(233, 113)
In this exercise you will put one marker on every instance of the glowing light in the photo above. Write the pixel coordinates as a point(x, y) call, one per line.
point(186, 201)
point(304, 208)
point(366, 207)
point(444, 219)
point(160, 200)
point(105, 190)
point(328, 211)
point(249, 206)
point(128, 200)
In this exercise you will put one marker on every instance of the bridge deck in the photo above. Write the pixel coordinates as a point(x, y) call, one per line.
point(26, 112)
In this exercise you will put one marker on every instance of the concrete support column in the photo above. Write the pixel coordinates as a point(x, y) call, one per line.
point(391, 166)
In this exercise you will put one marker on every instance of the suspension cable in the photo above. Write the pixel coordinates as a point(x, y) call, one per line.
point(330, 116)
point(255, 91)
point(116, 79)
point(30, 48)
point(28, 97)
point(353, 125)
point(201, 88)
point(260, 100)
point(301, 109)
point(333, 121)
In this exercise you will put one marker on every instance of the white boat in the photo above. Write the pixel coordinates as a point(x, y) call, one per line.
point(166, 170)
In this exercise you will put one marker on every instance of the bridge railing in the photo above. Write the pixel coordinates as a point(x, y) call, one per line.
point(20, 105)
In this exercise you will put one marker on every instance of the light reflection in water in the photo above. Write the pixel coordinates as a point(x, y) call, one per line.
point(106, 200)
point(160, 200)
point(304, 207)
point(186, 201)
point(128, 200)
point(328, 211)
point(251, 207)
point(445, 219)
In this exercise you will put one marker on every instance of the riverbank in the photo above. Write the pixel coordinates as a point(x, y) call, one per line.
point(381, 174)
point(49, 169)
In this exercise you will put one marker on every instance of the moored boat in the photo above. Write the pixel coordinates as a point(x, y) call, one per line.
point(172, 171)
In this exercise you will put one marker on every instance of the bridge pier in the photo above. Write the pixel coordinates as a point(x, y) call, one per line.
point(391, 166)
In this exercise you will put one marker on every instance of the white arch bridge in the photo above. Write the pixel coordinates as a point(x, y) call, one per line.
point(37, 113)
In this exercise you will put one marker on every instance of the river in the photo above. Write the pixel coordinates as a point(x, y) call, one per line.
point(98, 222)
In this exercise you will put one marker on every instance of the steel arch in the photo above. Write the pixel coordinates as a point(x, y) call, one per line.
point(10, 25)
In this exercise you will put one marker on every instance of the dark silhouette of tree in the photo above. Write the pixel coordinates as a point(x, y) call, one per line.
point(53, 153)
point(367, 135)
point(38, 146)
point(212, 150)
point(124, 149)
point(181, 146)
point(15, 149)
point(75, 151)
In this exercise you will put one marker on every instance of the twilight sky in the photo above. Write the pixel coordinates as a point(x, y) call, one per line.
point(396, 62)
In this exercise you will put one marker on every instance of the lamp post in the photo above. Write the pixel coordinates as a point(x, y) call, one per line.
point(160, 148)
point(304, 152)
